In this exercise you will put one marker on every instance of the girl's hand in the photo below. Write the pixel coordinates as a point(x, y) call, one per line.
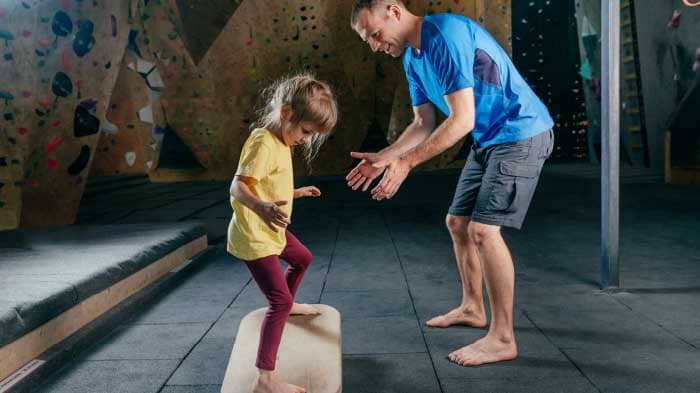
point(272, 215)
point(310, 191)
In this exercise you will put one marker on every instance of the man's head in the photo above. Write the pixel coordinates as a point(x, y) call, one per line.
point(382, 24)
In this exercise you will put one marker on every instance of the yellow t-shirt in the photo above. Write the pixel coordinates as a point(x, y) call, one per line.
point(268, 160)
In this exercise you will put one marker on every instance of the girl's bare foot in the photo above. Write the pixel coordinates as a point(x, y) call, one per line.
point(268, 383)
point(459, 316)
point(304, 309)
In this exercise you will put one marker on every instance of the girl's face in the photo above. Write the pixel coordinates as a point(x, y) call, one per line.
point(297, 134)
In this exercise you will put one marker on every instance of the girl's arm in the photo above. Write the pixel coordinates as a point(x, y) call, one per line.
point(310, 191)
point(269, 212)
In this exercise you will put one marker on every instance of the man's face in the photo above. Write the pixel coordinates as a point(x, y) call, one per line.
point(381, 29)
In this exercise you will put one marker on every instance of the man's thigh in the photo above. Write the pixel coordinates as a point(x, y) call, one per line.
point(467, 189)
point(511, 173)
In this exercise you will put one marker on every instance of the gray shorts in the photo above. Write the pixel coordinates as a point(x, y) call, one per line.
point(498, 182)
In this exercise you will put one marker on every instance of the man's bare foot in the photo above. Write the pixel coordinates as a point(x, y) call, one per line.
point(485, 350)
point(459, 316)
point(304, 309)
point(267, 382)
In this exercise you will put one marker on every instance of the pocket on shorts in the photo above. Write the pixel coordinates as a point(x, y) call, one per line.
point(547, 145)
point(515, 180)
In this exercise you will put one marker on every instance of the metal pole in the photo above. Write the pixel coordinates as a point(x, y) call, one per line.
point(610, 154)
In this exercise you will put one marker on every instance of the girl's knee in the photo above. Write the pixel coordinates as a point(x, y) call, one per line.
point(302, 258)
point(282, 302)
point(306, 257)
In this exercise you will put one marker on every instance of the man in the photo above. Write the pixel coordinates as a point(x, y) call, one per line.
point(453, 64)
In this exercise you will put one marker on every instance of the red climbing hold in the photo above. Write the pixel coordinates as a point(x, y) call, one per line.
point(56, 123)
point(26, 94)
point(23, 131)
point(26, 34)
point(44, 42)
point(43, 101)
point(53, 144)
point(51, 163)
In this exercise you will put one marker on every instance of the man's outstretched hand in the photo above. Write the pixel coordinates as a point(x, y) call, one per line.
point(396, 171)
point(364, 173)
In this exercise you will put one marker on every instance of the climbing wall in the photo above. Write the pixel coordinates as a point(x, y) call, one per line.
point(180, 104)
point(215, 57)
point(127, 144)
point(60, 62)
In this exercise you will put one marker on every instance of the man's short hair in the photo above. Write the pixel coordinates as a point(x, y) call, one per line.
point(368, 5)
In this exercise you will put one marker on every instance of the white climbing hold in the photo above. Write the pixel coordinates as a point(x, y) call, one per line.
point(130, 158)
point(154, 80)
point(146, 114)
point(143, 66)
point(109, 128)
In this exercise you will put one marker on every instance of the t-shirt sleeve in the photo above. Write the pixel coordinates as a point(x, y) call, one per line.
point(453, 61)
point(414, 89)
point(255, 159)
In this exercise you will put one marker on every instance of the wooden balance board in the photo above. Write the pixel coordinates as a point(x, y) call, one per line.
point(309, 356)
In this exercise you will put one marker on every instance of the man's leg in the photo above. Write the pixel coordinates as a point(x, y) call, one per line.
point(507, 188)
point(471, 311)
point(499, 343)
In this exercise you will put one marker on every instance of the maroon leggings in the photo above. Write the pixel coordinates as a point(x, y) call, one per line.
point(279, 288)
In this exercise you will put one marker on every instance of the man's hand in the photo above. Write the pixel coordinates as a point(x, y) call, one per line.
point(309, 191)
point(397, 169)
point(364, 173)
point(272, 215)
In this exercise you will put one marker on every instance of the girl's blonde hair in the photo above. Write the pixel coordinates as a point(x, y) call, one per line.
point(311, 101)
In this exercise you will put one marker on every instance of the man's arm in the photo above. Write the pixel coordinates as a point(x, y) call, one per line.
point(418, 131)
point(455, 127)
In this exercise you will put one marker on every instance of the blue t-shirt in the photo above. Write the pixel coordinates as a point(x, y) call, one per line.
point(457, 53)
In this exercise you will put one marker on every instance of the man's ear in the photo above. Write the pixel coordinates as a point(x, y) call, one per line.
point(394, 10)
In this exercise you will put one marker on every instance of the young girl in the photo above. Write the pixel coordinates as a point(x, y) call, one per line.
point(300, 111)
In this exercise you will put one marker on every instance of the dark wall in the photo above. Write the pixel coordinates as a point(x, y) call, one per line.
point(545, 50)
point(666, 60)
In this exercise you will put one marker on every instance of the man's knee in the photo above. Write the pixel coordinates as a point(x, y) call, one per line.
point(482, 233)
point(457, 225)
